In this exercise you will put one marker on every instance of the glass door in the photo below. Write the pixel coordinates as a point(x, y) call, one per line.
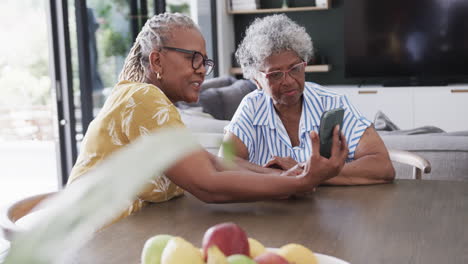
point(100, 39)
point(28, 157)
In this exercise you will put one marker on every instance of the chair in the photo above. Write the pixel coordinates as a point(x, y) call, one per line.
point(420, 164)
point(17, 211)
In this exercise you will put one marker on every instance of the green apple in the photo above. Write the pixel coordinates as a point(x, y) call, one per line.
point(153, 248)
point(240, 259)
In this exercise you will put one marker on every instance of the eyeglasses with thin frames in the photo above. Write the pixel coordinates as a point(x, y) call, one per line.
point(197, 59)
point(295, 72)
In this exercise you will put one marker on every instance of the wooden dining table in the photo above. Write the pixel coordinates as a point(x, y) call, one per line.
point(408, 221)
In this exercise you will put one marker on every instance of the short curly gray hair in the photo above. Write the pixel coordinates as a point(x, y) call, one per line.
point(270, 35)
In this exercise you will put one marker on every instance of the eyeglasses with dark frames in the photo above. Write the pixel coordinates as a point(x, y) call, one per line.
point(197, 59)
point(295, 71)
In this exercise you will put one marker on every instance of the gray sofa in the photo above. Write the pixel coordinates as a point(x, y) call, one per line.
point(447, 152)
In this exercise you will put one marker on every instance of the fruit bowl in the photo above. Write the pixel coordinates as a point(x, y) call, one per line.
point(227, 243)
point(321, 258)
point(325, 259)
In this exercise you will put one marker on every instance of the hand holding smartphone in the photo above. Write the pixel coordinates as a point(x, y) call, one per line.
point(329, 120)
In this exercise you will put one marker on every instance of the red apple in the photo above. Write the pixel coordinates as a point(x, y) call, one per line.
point(270, 258)
point(229, 237)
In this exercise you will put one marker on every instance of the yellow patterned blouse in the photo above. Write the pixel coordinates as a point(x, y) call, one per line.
point(133, 109)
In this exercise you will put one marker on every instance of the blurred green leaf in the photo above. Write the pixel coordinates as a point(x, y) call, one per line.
point(94, 201)
point(228, 153)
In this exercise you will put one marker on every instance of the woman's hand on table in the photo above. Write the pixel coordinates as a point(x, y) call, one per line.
point(289, 166)
point(295, 170)
point(283, 163)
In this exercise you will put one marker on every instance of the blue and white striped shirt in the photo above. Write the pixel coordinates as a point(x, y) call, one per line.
point(258, 126)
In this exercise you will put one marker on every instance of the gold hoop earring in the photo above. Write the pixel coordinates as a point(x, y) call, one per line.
point(158, 76)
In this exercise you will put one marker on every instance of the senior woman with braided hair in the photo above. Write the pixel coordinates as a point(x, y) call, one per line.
point(167, 64)
point(271, 127)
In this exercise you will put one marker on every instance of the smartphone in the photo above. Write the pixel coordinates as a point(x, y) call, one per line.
point(328, 121)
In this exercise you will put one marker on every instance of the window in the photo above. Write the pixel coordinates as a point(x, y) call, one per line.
point(27, 106)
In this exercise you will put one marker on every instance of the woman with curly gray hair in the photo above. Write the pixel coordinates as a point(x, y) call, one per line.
point(271, 127)
point(167, 64)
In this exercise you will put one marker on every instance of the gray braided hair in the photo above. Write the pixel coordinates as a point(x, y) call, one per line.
point(270, 35)
point(154, 34)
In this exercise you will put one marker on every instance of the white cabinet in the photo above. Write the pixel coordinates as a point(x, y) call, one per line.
point(410, 107)
point(444, 107)
point(395, 102)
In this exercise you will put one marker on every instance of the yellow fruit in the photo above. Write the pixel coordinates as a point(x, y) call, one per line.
point(297, 254)
point(179, 251)
point(215, 256)
point(256, 248)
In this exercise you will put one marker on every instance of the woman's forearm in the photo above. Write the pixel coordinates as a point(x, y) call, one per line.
point(230, 186)
point(240, 164)
point(196, 174)
point(370, 169)
point(254, 167)
point(246, 186)
point(216, 184)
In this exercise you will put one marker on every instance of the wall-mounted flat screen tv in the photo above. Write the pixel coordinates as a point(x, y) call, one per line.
point(406, 39)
